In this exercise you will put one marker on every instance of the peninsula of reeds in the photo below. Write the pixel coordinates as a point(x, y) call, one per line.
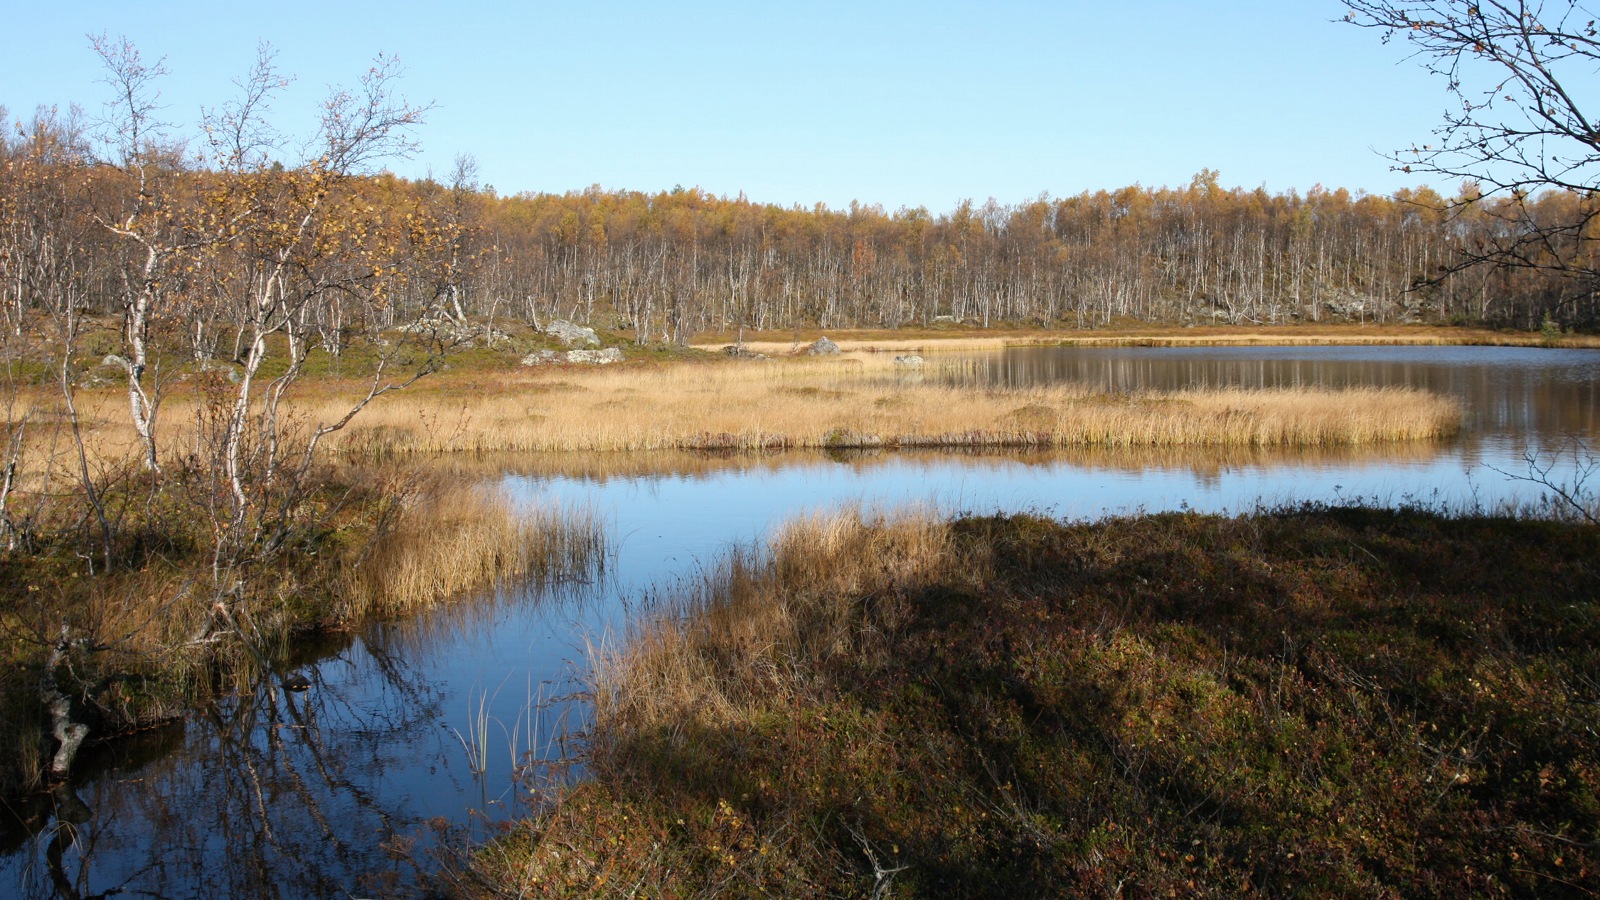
point(861, 401)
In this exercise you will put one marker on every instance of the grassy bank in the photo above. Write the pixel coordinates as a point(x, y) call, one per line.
point(862, 401)
point(1327, 702)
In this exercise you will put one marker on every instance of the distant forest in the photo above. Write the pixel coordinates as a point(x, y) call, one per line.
point(674, 264)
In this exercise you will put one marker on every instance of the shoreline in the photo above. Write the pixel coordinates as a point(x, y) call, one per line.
point(956, 339)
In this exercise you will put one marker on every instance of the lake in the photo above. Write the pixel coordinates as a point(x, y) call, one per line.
point(326, 791)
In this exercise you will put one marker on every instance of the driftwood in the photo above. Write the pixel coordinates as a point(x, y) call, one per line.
point(68, 733)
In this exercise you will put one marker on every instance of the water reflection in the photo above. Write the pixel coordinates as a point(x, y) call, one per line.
point(325, 791)
point(275, 792)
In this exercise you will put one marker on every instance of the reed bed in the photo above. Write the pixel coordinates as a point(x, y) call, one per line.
point(856, 401)
point(453, 538)
point(860, 401)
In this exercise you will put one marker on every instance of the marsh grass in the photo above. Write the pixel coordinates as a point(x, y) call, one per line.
point(1314, 701)
point(729, 640)
point(855, 401)
point(456, 536)
point(1204, 462)
point(860, 402)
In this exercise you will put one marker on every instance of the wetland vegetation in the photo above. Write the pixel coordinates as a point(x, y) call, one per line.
point(254, 388)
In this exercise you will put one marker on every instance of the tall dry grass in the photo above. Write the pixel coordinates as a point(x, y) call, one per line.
point(858, 400)
point(861, 401)
point(725, 646)
point(452, 537)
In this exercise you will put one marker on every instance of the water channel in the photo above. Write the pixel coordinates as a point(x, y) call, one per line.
point(329, 792)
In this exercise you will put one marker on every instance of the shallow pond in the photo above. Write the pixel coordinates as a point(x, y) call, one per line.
point(331, 790)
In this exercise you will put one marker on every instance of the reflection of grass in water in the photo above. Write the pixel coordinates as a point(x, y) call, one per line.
point(1208, 461)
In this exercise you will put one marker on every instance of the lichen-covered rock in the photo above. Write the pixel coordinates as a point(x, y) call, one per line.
point(571, 334)
point(541, 357)
point(739, 351)
point(822, 347)
point(595, 357)
point(909, 361)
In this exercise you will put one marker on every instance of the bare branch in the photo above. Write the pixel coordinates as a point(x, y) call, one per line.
point(368, 124)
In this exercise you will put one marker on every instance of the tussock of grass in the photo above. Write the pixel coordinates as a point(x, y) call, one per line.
point(1328, 702)
point(454, 538)
point(857, 402)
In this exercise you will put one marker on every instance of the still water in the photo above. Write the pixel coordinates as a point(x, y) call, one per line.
point(330, 792)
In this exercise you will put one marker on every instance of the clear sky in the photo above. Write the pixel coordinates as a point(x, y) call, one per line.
point(895, 103)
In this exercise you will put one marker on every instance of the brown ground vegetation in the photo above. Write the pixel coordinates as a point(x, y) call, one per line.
point(1328, 702)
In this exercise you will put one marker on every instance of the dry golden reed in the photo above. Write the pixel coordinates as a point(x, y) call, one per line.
point(1206, 462)
point(861, 401)
point(730, 636)
point(454, 537)
point(856, 401)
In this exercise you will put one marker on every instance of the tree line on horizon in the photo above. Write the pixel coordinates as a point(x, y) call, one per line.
point(676, 263)
point(679, 262)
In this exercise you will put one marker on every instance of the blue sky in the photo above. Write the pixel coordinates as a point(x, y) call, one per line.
point(894, 103)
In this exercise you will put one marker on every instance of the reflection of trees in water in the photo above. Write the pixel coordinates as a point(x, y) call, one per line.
point(270, 792)
point(275, 796)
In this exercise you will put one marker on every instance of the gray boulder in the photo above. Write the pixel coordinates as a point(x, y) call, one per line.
point(909, 361)
point(572, 335)
point(541, 357)
point(595, 357)
point(823, 347)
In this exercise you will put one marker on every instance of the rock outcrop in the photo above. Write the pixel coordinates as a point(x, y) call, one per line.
point(582, 357)
point(595, 357)
point(571, 334)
